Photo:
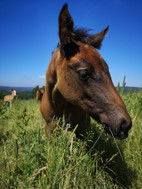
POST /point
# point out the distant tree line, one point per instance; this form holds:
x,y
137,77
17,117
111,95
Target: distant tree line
x,y
26,95
32,94
3,93
125,90
35,90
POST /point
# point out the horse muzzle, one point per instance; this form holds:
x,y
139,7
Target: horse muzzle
x,y
119,131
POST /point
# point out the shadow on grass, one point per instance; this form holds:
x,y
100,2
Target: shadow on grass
x,y
113,160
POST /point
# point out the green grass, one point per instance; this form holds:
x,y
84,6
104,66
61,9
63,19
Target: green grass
x,y
28,159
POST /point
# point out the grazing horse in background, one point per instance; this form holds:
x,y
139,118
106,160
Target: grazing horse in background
x,y
39,94
10,98
79,85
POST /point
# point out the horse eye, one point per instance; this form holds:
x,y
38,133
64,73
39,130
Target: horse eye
x,y
84,74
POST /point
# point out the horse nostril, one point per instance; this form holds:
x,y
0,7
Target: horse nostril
x,y
125,126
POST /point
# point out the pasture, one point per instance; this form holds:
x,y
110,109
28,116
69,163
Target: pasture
x,y
28,159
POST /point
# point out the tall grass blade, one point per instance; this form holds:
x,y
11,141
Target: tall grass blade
x,y
116,144
56,174
16,145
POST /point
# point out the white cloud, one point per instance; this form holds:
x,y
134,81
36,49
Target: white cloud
x,y
42,76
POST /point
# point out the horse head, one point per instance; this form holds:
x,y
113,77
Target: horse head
x,y
83,77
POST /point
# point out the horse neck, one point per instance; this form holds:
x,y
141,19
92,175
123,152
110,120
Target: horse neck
x,y
13,94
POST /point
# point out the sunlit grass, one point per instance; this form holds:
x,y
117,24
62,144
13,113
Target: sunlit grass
x,y
28,159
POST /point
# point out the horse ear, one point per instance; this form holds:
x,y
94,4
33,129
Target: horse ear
x,y
96,39
65,26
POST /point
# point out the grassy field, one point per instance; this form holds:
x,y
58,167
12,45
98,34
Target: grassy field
x,y
28,159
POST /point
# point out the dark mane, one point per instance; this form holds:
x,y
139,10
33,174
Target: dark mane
x,y
95,40
81,34
78,34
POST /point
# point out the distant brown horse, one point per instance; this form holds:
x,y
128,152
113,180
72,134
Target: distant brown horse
x,y
79,85
10,98
39,94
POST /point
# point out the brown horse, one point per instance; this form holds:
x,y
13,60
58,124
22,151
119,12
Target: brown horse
x,y
10,98
39,94
79,85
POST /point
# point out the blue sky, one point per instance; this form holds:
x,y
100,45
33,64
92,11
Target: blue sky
x,y
29,34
